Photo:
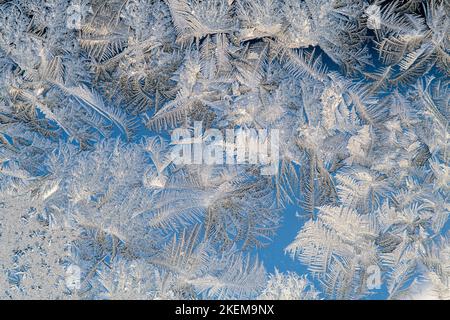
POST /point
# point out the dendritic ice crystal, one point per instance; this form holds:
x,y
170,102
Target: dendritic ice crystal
x,y
95,205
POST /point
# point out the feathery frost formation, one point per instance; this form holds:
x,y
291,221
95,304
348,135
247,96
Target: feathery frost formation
x,y
93,207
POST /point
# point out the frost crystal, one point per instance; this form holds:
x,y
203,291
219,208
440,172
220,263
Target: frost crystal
x,y
95,205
